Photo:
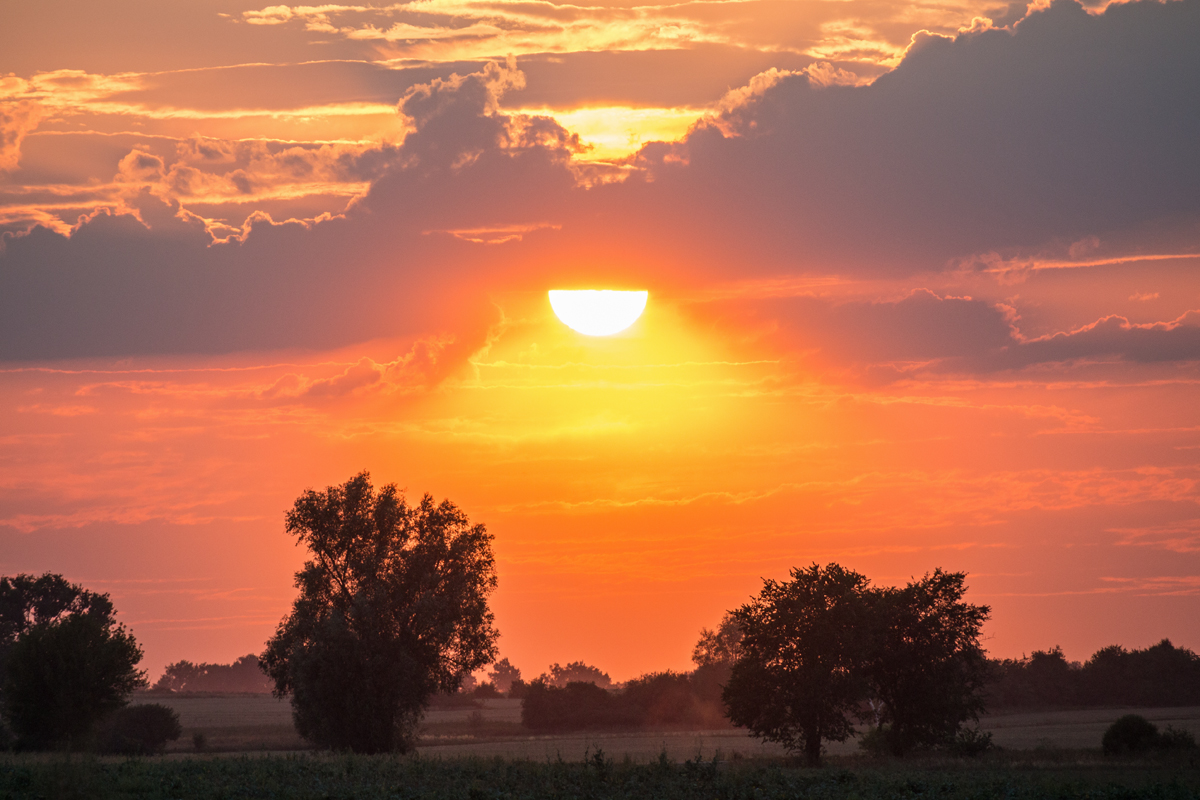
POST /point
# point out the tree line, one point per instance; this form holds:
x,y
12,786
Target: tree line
x,y
243,675
392,611
1160,675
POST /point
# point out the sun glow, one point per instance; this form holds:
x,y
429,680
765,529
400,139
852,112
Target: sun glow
x,y
598,312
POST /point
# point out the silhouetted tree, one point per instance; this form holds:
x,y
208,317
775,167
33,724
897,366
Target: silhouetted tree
x,y
392,608
927,667
66,661
1159,675
28,600
799,676
664,698
575,706
575,672
243,675
714,655
503,674
721,646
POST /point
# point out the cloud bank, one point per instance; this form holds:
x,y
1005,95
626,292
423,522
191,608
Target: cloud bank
x,y
996,144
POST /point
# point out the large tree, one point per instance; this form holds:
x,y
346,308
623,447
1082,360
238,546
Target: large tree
x,y
65,663
392,608
798,677
927,668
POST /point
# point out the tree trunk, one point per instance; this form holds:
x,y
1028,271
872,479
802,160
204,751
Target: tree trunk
x,y
812,747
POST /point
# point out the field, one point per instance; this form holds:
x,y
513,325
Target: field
x,y
305,776
241,723
480,753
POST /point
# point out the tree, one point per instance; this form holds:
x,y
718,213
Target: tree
x,y
927,667
714,655
26,601
243,675
392,609
721,646
66,661
503,675
799,675
575,672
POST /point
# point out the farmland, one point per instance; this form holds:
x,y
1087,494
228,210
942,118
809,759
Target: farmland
x,y
256,723
1066,775
475,753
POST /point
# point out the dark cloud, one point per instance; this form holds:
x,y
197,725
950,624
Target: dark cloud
x,y
1071,125
950,334
1068,127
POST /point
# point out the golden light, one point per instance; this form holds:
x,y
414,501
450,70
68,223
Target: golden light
x,y
597,312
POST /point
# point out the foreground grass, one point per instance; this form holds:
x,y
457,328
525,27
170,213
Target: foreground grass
x,y
1056,775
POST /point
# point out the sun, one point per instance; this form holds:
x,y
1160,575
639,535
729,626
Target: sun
x,y
597,312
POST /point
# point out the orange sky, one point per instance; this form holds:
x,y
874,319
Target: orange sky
x,y
923,293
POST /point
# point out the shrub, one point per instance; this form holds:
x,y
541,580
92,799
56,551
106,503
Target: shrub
x,y
970,743
485,691
576,706
662,698
139,730
875,741
1176,739
1130,735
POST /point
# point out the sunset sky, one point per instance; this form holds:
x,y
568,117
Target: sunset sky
x,y
924,291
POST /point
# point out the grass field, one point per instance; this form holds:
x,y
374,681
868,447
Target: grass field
x,y
232,723
303,776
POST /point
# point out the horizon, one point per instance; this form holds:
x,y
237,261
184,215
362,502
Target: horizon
x,y
922,293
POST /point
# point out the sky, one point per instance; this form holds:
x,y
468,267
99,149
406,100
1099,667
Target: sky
x,y
924,291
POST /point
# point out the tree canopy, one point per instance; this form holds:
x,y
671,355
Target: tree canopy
x,y
826,647
392,608
926,667
66,663
799,677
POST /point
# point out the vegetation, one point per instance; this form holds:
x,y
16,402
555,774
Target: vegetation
x,y
598,777
392,609
1135,735
800,676
825,647
503,675
138,730
1161,675
575,672
926,668
65,661
243,675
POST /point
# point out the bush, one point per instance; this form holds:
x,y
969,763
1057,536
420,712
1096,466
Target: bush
x,y
138,730
485,691
1174,739
576,706
875,741
1130,735
970,743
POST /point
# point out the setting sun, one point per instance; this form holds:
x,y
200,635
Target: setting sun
x,y
598,312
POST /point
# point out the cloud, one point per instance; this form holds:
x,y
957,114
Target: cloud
x,y
925,331
1115,337
16,121
1014,141
1031,140
359,376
